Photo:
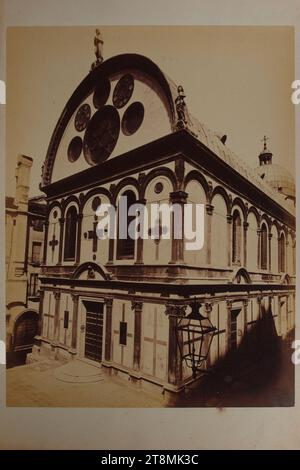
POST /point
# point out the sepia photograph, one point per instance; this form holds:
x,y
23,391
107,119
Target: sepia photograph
x,y
150,217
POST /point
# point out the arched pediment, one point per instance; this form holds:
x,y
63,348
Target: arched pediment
x,y
240,276
90,271
285,279
97,100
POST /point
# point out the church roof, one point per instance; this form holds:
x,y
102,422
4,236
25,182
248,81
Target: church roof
x,y
211,140
278,177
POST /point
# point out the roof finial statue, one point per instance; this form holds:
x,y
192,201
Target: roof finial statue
x,y
181,108
98,43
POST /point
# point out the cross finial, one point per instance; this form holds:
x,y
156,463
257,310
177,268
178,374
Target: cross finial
x,y
264,140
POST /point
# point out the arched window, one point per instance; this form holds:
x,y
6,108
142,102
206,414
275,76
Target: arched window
x,y
281,253
126,245
236,237
264,247
70,234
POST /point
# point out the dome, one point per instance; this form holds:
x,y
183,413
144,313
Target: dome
x,y
278,177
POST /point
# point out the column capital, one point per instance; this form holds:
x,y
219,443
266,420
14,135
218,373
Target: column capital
x,y
270,235
142,201
75,297
56,295
179,197
229,218
209,209
108,301
136,305
175,310
245,225
208,307
258,231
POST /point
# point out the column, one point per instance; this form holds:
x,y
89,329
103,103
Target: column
x,y
78,242
270,251
270,311
229,307
209,212
279,316
61,238
287,314
259,300
245,315
108,329
75,298
46,225
174,312
140,241
294,254
229,238
56,316
137,307
111,241
208,310
286,255
179,198
258,248
37,338
293,309
245,226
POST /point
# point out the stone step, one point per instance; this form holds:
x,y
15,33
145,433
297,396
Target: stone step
x,y
79,372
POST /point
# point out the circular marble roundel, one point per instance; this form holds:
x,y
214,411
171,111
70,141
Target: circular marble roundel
x,y
123,91
133,118
74,149
82,117
101,135
96,203
101,93
158,187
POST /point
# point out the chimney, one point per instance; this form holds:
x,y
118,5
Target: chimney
x,y
22,175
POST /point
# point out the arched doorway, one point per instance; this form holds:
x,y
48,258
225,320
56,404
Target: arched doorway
x,y
25,329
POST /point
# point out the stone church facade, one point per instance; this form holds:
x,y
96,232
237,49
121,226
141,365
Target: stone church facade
x,y
126,130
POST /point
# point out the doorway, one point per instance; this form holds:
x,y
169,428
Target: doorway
x,y
93,330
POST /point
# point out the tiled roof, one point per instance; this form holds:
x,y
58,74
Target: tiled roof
x,y
211,140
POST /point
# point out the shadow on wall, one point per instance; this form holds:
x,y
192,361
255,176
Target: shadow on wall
x,y
259,372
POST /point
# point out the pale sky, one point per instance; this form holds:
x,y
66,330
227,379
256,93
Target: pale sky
x,y
237,80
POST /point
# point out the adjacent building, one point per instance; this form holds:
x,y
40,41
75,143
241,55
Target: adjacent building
x,y
24,218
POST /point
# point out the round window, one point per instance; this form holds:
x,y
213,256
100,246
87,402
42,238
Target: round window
x,y
101,135
101,93
74,149
133,118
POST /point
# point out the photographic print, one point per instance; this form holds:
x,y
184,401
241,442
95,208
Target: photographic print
x,y
150,216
